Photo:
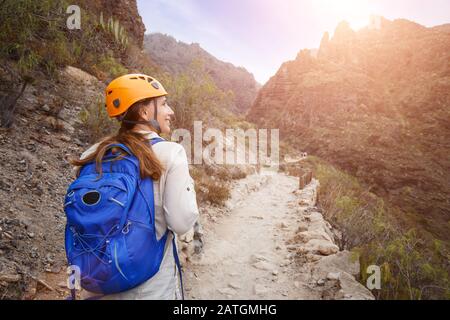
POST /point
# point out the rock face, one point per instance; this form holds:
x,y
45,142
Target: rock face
x,y
376,104
175,56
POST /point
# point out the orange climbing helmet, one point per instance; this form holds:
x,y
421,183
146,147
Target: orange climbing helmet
x,y
124,91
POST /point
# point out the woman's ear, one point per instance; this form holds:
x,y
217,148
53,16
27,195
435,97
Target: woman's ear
x,y
143,113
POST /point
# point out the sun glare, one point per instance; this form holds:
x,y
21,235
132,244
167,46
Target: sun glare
x,y
355,12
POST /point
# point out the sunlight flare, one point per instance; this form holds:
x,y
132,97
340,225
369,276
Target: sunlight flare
x,y
355,12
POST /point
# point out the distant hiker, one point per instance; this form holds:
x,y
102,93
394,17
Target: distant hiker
x,y
132,194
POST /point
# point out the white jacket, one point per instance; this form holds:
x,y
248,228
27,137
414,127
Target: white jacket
x,y
175,209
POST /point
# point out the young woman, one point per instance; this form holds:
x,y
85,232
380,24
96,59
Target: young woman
x,y
139,102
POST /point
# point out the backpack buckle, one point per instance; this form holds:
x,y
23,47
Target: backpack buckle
x,y
126,229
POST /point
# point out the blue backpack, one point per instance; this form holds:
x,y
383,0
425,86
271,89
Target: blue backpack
x,y
110,232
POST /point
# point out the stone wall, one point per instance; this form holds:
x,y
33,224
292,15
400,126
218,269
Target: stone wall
x,y
333,272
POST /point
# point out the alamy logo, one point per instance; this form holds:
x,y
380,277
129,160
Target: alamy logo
x,y
374,280
73,22
232,147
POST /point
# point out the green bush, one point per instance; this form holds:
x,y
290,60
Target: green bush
x,y
111,67
26,25
410,267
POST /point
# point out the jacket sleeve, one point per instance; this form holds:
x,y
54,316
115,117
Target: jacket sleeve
x,y
180,203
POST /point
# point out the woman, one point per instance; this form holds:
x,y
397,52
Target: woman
x,y
139,102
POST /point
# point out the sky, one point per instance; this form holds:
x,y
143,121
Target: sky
x,y
260,35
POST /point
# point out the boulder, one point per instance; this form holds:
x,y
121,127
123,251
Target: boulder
x,y
352,289
321,246
341,261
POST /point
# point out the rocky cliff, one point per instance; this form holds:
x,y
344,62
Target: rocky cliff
x,y
376,103
124,10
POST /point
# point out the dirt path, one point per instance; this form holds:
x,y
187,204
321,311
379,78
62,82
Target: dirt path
x,y
245,255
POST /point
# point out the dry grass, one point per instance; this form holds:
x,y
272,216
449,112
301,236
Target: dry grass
x,y
212,183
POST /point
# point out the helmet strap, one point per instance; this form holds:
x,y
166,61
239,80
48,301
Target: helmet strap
x,y
153,122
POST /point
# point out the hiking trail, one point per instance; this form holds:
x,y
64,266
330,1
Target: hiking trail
x,y
245,256
249,254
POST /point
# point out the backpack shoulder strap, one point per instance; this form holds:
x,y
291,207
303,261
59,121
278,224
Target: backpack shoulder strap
x,y
156,140
127,150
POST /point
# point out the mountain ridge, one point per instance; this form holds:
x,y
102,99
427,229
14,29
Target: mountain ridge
x,y
373,102
176,56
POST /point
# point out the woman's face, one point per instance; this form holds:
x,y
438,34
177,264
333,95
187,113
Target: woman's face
x,y
165,113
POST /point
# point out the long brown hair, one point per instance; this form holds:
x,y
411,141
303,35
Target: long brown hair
x,y
149,165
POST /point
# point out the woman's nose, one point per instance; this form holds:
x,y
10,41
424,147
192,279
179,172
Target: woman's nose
x,y
171,112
